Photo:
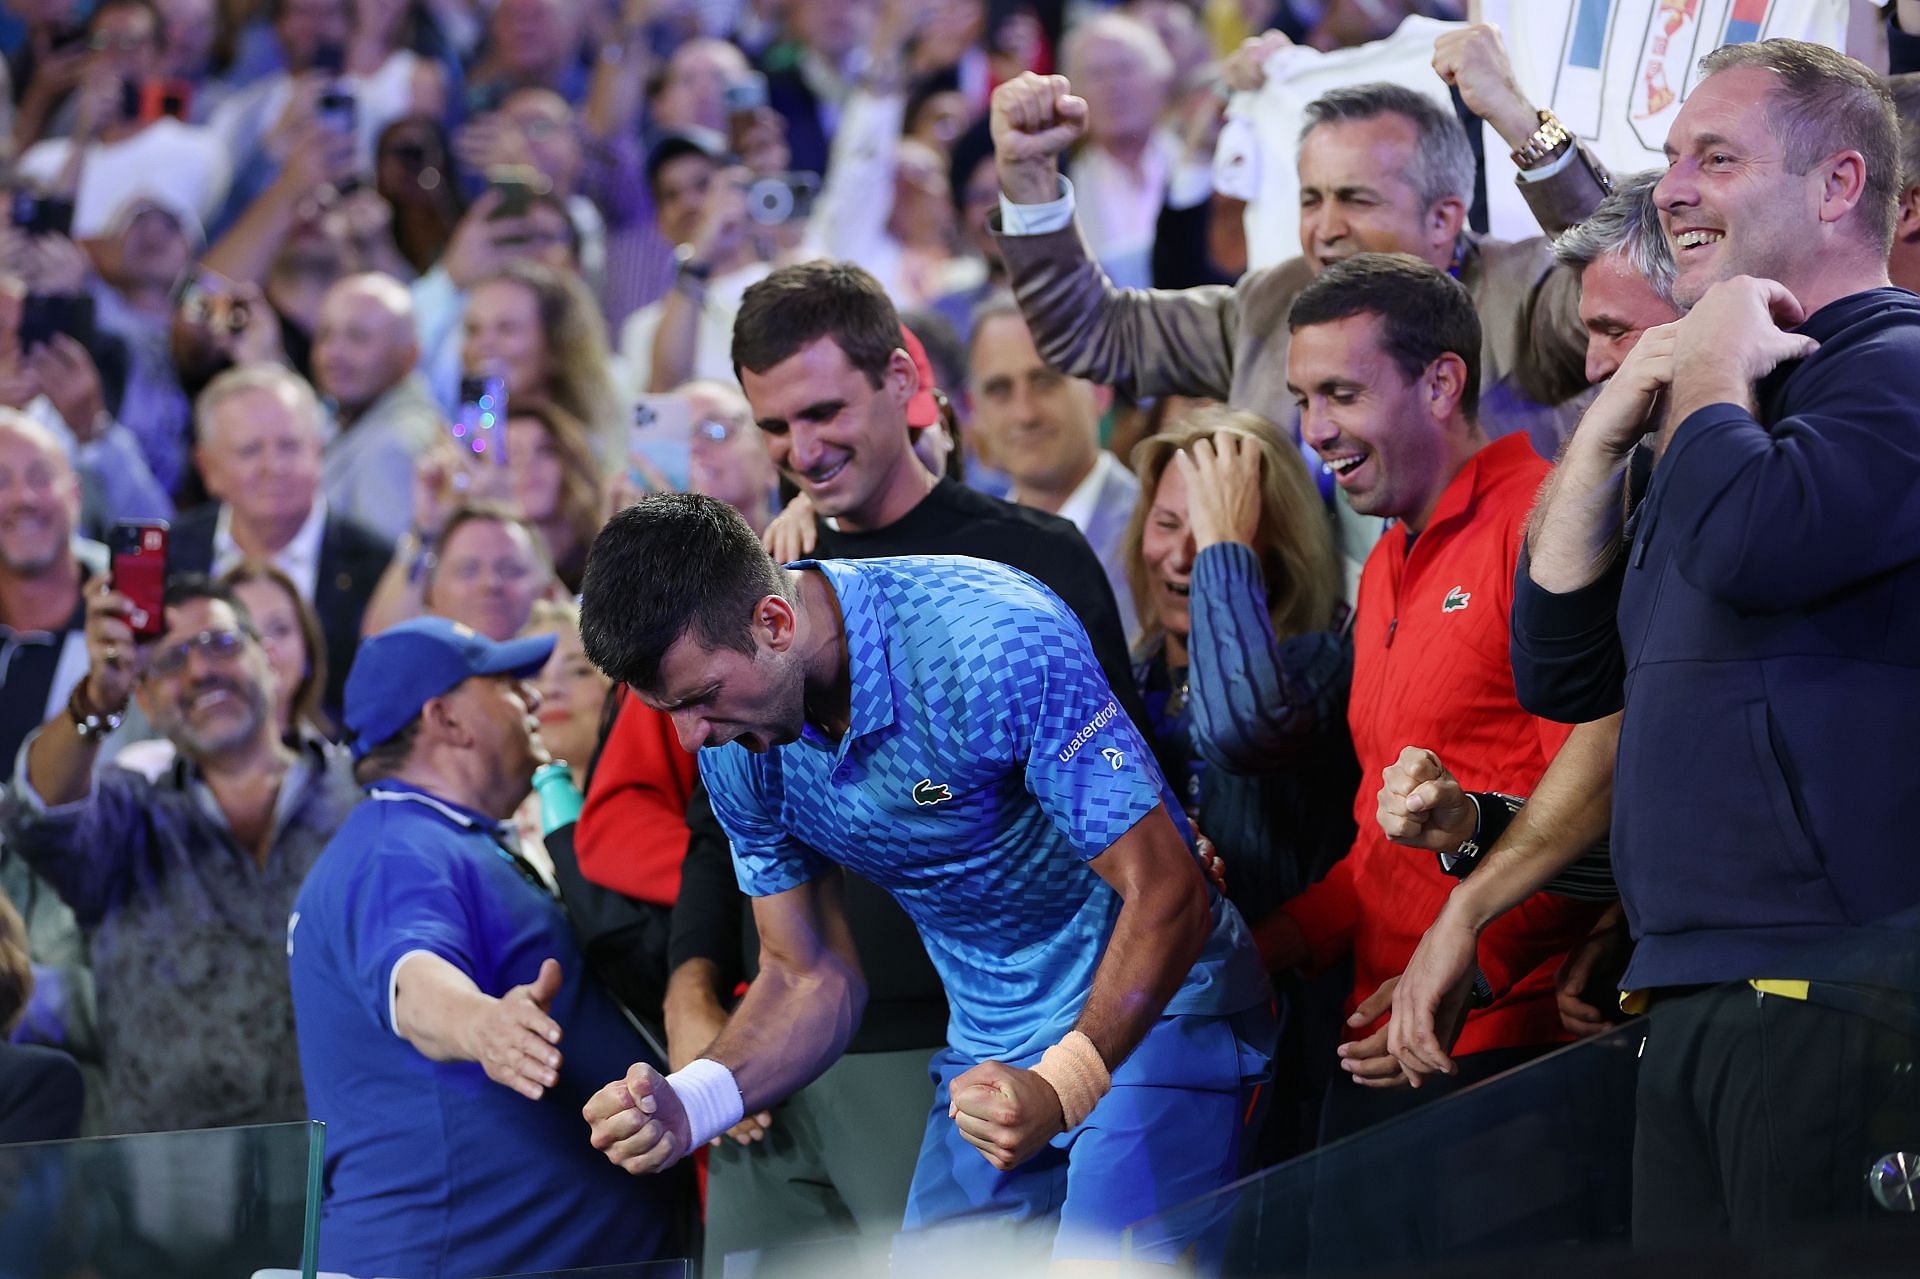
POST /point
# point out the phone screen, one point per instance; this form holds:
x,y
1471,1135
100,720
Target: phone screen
x,y
139,550
480,426
660,440
42,315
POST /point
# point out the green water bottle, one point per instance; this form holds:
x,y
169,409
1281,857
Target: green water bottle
x,y
559,797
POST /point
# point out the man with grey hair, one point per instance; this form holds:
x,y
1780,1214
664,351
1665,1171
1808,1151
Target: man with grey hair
x,y
1383,168
182,883
1766,604
1625,269
1122,168
259,451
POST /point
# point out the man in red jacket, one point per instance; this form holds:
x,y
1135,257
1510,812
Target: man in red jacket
x,y
1385,367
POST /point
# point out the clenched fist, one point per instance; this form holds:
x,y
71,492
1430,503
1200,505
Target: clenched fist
x,y
1033,119
1422,806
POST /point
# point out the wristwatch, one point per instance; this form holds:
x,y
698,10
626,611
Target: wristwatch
x,y
1546,140
90,725
689,267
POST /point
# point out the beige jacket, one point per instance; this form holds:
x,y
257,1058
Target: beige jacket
x,y
1230,342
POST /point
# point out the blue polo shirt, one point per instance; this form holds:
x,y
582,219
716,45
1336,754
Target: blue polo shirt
x,y
431,1168
986,763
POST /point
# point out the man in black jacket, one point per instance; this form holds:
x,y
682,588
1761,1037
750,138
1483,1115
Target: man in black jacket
x,y
259,451
838,1155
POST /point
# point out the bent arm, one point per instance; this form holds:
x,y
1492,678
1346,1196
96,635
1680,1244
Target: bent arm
x,y
804,1005
1146,342
1162,927
1256,702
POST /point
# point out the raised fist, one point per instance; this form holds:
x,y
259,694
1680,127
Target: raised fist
x,y
1033,119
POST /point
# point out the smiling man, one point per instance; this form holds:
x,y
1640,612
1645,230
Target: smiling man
x,y
1765,594
1385,368
941,726
182,884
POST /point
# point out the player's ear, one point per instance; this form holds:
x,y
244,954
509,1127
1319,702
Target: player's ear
x,y
774,622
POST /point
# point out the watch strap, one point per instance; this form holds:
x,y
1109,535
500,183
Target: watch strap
x,y
1543,143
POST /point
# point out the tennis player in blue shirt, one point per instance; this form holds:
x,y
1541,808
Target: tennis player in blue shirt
x,y
941,726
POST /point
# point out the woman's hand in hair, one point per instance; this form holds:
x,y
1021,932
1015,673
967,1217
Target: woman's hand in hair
x,y
1223,489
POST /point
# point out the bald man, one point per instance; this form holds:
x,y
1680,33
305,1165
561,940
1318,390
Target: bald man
x,y
364,352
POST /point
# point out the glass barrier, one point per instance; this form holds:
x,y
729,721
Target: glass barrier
x,y
677,1269
1538,1157
218,1203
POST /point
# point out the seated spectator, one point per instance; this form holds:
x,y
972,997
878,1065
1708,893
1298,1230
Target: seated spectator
x,y
1120,173
117,153
260,454
555,483
364,353
973,184
435,976
41,1092
140,259
1246,670
729,461
183,884
478,563
539,327
1043,429
701,207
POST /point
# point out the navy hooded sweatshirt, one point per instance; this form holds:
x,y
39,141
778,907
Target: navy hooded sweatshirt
x,y
1765,794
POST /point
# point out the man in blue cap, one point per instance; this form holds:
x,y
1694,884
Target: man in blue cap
x,y
433,974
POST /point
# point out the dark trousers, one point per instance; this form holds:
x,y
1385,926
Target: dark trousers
x,y
1759,1116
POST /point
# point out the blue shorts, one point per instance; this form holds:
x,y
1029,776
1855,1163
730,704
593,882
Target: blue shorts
x,y
1172,1129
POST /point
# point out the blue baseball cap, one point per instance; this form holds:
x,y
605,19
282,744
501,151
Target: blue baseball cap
x,y
404,667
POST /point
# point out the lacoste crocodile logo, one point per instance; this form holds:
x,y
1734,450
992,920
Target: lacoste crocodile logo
x,y
927,792
1457,598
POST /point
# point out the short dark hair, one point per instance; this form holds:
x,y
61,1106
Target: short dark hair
x,y
800,304
185,588
1424,312
671,565
389,757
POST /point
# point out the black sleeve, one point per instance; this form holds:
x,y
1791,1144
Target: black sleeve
x,y
1568,663
707,914
1180,258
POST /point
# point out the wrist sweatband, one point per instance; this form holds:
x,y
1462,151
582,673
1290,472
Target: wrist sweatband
x,y
1074,1068
711,1097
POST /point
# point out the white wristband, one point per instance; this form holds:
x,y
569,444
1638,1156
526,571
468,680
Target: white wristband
x,y
711,1098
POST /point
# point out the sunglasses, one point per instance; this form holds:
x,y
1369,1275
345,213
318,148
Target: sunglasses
x,y
216,646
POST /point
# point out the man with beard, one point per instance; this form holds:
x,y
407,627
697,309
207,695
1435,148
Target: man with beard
x,y
182,884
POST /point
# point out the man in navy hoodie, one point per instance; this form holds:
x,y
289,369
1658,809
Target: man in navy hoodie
x,y
1766,649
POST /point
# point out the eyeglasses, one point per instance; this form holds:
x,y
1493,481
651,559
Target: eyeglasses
x,y
215,646
104,43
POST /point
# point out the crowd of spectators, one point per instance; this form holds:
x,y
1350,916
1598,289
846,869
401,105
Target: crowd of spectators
x,y
386,307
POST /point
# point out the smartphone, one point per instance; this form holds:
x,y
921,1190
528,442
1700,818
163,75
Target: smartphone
x,y
338,110
330,57
517,184
151,100
745,95
44,314
139,559
38,214
480,425
661,437
207,300
782,197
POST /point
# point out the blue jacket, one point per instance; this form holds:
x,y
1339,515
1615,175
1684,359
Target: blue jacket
x,y
1770,621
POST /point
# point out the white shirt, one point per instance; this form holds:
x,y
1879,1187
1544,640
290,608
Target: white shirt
x,y
1079,504
1122,206
299,559
181,165
713,339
